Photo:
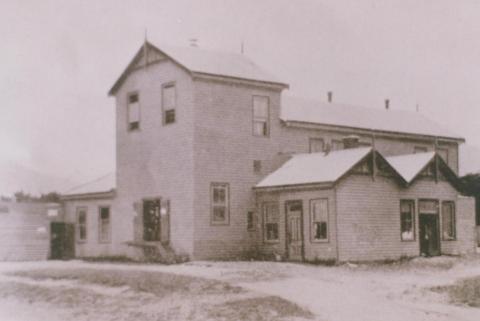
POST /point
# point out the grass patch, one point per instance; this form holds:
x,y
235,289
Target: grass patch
x,y
261,309
463,292
157,283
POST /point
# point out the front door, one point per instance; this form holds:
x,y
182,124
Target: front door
x,y
429,235
151,220
294,215
62,241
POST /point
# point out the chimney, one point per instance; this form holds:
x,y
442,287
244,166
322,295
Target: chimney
x,y
193,42
351,141
330,96
387,104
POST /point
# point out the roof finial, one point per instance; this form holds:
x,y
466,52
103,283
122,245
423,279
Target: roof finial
x,y
145,51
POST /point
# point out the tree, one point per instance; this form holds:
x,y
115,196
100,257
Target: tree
x,y
471,185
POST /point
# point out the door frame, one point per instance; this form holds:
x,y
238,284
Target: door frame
x,y
436,215
287,203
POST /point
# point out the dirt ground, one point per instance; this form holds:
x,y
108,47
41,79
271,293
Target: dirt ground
x,y
414,290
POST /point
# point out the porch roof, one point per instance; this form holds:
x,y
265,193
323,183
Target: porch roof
x,y
102,185
314,168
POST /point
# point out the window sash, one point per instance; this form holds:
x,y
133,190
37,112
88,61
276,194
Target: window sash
x,y
316,145
407,220
260,115
219,200
133,109
169,97
448,221
319,219
104,224
81,224
271,218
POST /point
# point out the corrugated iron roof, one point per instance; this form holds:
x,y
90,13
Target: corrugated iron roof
x,y
102,184
315,168
409,166
398,121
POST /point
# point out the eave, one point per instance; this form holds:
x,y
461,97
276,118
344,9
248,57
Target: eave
x,y
87,196
369,131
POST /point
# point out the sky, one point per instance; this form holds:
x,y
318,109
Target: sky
x,y
60,58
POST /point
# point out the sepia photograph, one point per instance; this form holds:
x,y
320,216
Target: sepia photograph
x,y
222,160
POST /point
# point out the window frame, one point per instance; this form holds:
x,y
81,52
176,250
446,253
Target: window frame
x,y
164,110
444,149
78,225
226,221
100,224
414,217
312,139
417,149
264,222
129,94
454,221
255,119
251,227
337,141
312,235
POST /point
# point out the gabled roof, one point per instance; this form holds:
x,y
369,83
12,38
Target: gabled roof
x,y
200,61
354,117
104,184
409,166
315,168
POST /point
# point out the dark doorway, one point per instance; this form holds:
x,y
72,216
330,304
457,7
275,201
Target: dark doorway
x,y
62,241
151,220
294,230
429,235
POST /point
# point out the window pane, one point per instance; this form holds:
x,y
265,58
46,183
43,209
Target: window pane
x,y
271,230
320,230
448,220
133,112
170,116
407,220
316,145
219,195
427,207
169,99
319,217
260,107
250,220
82,217
219,213
271,213
104,213
337,145
260,128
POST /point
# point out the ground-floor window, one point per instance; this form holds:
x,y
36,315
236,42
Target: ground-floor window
x,y
104,224
271,220
151,220
448,220
250,220
319,219
81,224
219,200
407,220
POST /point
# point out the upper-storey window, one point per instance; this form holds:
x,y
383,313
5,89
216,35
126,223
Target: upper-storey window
x,y
443,152
420,149
169,103
133,112
317,145
260,116
337,144
219,199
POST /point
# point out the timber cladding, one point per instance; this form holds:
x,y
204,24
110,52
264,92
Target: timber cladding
x,y
24,231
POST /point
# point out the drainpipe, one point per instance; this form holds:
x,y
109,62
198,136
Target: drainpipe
x,y
337,251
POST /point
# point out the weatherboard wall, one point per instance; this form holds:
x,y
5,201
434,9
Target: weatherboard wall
x,y
313,250
224,152
155,161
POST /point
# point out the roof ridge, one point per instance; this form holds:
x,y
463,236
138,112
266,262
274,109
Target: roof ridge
x,y
89,182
